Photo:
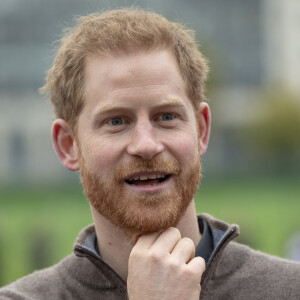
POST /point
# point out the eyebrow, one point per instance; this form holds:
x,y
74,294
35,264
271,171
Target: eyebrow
x,y
110,107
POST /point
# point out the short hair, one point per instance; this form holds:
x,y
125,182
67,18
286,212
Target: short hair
x,y
115,32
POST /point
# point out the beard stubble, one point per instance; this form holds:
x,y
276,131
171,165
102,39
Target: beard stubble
x,y
138,214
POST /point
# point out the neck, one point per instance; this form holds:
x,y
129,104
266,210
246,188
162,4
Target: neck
x,y
115,249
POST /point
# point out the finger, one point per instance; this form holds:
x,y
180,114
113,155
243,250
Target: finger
x,y
197,265
147,240
184,250
167,240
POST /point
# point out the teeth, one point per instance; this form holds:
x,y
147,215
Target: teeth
x,y
146,177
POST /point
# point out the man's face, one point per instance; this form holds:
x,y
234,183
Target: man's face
x,y
138,141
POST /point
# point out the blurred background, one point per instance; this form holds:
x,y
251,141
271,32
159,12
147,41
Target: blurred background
x,y
251,170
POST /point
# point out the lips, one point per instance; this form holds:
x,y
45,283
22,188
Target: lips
x,y
147,179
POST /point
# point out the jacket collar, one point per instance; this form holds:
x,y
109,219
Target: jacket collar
x,y
222,233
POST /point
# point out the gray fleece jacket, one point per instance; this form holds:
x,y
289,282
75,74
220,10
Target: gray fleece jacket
x,y
234,271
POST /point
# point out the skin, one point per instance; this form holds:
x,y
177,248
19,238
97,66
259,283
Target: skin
x,y
136,107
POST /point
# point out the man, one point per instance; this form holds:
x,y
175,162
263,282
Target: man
x,y
127,88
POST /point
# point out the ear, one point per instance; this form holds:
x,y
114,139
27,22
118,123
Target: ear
x,y
65,145
204,119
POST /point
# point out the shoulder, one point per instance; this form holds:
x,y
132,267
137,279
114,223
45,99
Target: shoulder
x,y
245,258
65,280
75,277
45,283
258,274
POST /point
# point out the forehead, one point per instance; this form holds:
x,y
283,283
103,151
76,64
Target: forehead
x,y
137,68
133,79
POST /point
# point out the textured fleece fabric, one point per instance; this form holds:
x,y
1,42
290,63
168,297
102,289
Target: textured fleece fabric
x,y
234,271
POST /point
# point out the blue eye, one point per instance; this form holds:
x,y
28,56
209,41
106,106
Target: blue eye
x,y
167,117
116,121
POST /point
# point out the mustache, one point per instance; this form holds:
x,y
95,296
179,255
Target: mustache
x,y
156,164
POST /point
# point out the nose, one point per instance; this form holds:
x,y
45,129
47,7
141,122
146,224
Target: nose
x,y
144,141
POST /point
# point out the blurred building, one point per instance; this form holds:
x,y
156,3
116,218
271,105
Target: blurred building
x,y
250,44
281,31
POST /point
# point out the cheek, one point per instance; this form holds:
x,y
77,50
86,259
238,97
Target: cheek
x,y
186,149
101,157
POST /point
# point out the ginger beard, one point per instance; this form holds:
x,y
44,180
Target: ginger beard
x,y
134,213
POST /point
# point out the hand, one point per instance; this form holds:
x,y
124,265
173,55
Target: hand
x,y
163,266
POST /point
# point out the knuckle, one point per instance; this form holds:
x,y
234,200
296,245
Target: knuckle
x,y
188,242
200,264
201,261
174,265
175,231
191,273
135,254
155,256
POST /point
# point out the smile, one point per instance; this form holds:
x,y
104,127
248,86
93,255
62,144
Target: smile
x,y
147,179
